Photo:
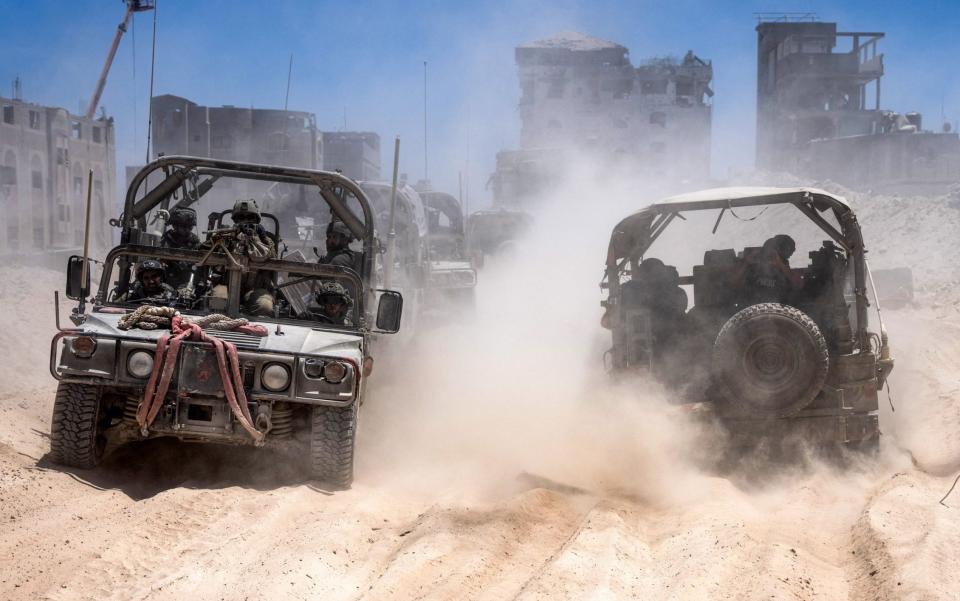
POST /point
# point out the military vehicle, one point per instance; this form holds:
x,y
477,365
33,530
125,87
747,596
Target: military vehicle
x,y
452,280
428,265
495,232
776,351
292,379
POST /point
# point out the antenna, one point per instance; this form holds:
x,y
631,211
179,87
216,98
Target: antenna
x,y
153,64
17,90
289,73
426,175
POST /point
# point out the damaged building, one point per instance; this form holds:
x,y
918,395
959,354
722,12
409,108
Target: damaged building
x,y
819,115
269,136
46,154
582,97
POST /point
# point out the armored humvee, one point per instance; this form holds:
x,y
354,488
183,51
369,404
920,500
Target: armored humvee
x,y
293,378
777,351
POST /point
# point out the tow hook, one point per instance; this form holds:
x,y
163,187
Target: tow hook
x,y
262,420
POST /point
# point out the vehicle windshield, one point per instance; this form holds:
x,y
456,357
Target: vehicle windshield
x,y
188,282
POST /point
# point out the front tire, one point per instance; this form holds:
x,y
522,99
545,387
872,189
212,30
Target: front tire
x,y
332,436
75,438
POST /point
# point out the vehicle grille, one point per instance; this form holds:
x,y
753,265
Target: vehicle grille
x,y
247,342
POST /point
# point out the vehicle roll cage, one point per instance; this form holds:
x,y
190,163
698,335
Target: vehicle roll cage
x,y
633,236
203,172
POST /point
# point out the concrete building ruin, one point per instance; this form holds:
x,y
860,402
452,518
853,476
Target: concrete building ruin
x,y
581,96
356,154
819,112
269,136
45,156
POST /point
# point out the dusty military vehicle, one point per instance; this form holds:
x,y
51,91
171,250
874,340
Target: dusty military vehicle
x,y
292,379
777,351
495,231
428,265
452,279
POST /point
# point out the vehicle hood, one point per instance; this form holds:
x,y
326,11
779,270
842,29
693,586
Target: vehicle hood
x,y
304,340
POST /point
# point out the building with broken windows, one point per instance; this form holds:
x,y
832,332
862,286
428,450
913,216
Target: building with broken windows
x,y
819,112
45,156
582,96
269,136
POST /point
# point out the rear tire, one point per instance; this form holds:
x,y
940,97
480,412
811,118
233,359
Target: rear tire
x,y
769,360
75,438
332,436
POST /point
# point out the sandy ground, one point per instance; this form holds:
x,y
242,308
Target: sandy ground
x,y
444,506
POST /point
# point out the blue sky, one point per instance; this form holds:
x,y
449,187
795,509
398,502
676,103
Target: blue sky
x,y
364,61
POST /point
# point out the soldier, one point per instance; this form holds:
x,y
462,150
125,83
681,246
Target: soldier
x,y
251,239
333,304
766,276
150,285
180,235
338,246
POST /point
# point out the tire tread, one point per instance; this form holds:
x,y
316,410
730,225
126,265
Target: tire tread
x,y
332,439
73,429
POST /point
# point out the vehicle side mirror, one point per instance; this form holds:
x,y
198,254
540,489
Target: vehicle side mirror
x,y
75,288
389,309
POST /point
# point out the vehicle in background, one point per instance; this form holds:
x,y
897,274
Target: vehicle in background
x,y
452,280
495,232
778,352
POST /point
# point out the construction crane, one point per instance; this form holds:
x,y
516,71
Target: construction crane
x,y
133,6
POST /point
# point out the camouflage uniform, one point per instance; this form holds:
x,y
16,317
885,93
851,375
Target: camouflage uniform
x,y
250,240
178,272
165,295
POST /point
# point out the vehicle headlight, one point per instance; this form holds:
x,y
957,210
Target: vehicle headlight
x,y
140,364
334,372
83,346
313,368
275,377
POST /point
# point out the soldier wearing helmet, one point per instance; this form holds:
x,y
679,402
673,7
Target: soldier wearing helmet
x,y
250,239
332,304
180,235
338,246
150,285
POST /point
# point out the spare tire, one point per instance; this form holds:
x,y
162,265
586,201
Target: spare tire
x,y
769,360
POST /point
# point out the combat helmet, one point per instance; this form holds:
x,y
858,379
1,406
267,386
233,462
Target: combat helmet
x,y
246,209
338,227
150,265
182,216
334,289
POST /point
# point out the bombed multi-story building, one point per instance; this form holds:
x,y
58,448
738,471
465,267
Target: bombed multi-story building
x,y
356,154
274,137
46,155
819,112
582,98
266,136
